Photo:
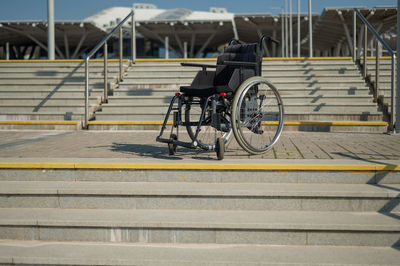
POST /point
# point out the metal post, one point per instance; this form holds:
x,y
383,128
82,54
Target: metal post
x,y
282,36
365,67
393,99
166,47
298,28
286,31
184,49
397,122
291,28
354,36
133,37
120,54
50,30
310,29
105,72
7,51
86,93
377,68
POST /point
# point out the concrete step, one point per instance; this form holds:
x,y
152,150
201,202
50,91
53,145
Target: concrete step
x,y
277,62
41,116
290,126
267,69
65,64
305,171
175,84
287,99
200,196
169,91
57,108
27,100
168,79
49,81
96,87
74,94
55,75
289,116
193,226
41,125
268,74
289,107
87,253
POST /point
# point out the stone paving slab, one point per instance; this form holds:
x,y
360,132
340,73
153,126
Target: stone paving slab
x,y
142,144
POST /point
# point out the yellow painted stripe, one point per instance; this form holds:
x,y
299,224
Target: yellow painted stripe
x,y
59,61
373,57
304,58
39,122
289,123
200,166
264,58
174,59
127,123
339,123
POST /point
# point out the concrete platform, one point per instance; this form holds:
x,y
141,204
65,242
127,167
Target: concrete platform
x,y
356,147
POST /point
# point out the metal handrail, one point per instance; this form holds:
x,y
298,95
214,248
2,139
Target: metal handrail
x,y
97,47
379,41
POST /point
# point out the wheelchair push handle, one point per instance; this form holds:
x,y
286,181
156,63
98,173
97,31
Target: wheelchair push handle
x,y
269,38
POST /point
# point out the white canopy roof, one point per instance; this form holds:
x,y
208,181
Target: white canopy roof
x,y
111,16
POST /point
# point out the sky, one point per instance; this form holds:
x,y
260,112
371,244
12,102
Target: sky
x,y
80,9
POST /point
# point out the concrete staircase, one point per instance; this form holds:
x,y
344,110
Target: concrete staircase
x,y
38,92
312,90
199,217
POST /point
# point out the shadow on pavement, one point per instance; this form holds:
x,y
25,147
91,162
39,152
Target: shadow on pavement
x,y
152,151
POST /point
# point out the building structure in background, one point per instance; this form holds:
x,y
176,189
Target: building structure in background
x,y
189,33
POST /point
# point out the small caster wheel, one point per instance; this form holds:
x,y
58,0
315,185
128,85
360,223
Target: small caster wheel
x,y
171,146
220,148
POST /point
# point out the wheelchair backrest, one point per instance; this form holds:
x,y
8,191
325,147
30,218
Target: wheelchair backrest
x,y
236,51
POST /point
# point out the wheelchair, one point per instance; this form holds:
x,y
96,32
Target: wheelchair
x,y
232,100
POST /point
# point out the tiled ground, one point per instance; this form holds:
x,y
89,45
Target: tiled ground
x,y
133,144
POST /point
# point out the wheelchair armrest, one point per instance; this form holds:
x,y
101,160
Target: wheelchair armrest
x,y
239,63
199,65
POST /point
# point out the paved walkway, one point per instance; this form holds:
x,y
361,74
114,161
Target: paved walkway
x,y
142,144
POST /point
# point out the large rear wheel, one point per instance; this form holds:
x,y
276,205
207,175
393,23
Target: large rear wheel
x,y
257,115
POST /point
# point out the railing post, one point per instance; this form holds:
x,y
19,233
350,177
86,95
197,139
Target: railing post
x,y
365,68
105,72
120,54
377,70
393,95
133,37
310,29
354,36
85,125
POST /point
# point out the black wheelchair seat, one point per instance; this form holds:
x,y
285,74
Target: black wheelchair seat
x,y
238,62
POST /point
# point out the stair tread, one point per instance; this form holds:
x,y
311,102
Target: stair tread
x,y
197,189
202,219
89,253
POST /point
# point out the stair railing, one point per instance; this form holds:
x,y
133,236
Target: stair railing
x,y
379,42
104,43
